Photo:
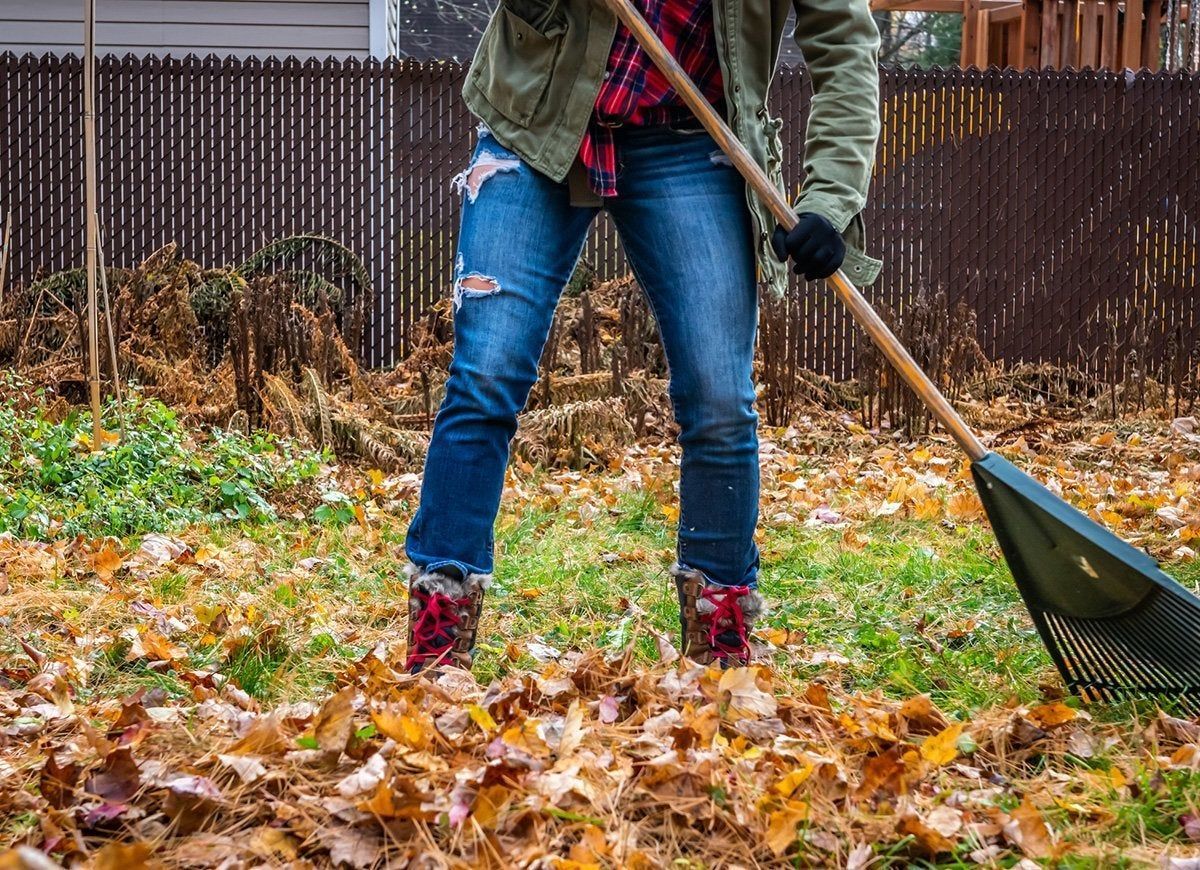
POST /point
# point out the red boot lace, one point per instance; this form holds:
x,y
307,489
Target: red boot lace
x,y
725,619
435,630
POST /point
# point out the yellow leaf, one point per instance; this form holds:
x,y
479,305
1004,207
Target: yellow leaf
x,y
927,509
942,748
1117,778
488,804
781,826
788,785
401,728
1051,715
481,717
671,512
880,728
375,476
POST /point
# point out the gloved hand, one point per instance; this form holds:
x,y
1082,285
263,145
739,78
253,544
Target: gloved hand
x,y
814,246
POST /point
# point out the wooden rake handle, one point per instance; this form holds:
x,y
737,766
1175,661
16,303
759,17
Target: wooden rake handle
x,y
866,316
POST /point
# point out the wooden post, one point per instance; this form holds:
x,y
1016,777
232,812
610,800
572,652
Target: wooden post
x,y
1089,45
1030,46
1110,30
1070,43
1051,35
1131,54
89,174
1151,37
971,37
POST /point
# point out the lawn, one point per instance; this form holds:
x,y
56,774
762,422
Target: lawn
x,y
203,631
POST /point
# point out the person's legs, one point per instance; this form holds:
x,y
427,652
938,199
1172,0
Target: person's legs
x,y
519,242
685,226
683,219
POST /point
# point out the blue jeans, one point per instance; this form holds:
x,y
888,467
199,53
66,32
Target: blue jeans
x,y
685,227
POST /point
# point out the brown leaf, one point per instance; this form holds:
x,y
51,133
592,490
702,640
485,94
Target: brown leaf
x,y
334,724
118,779
57,781
248,768
105,562
358,848
191,801
1027,830
265,737
928,841
124,856
1173,730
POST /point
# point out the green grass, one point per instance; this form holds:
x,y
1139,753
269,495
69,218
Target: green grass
x,y
918,609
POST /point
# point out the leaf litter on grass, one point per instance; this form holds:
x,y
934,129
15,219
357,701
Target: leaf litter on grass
x,y
157,701
728,768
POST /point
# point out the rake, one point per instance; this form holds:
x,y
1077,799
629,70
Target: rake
x,y
1115,625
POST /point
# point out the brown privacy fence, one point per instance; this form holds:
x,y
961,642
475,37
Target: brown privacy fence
x,y
1063,207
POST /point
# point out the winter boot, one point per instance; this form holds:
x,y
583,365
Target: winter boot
x,y
443,616
716,620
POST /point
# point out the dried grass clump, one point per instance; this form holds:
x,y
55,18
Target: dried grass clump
x,y
576,434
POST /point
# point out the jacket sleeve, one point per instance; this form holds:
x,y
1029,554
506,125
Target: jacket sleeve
x,y
840,43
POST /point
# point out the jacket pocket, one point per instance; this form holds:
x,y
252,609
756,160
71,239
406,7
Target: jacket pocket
x,y
516,62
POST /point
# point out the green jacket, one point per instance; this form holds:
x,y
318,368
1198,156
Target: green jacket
x,y
538,69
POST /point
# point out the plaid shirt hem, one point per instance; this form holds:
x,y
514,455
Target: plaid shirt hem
x,y
635,94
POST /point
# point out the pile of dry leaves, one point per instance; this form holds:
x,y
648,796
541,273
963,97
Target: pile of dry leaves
x,y
586,764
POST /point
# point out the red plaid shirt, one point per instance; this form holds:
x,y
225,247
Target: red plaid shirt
x,y
636,94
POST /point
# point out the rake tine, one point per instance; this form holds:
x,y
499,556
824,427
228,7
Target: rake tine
x,y
1170,639
1104,678
1069,666
1134,671
1083,666
1131,670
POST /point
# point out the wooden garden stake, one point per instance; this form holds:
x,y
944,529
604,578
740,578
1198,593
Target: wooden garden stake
x,y
4,253
112,335
89,172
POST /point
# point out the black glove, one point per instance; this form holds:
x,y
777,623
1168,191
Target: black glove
x,y
813,244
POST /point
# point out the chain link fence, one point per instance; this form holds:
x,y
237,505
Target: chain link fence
x,y
1062,206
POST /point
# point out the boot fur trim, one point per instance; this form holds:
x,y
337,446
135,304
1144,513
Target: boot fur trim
x,y
436,581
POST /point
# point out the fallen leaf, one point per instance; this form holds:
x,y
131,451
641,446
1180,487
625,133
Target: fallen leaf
x,y
942,748
248,768
739,692
781,826
1027,830
334,724
365,779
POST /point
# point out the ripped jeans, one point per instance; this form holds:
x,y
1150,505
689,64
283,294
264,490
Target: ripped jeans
x,y
683,220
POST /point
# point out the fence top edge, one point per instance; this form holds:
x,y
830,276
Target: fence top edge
x,y
108,58
888,72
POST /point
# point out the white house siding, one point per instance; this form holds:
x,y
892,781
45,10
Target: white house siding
x,y
238,28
